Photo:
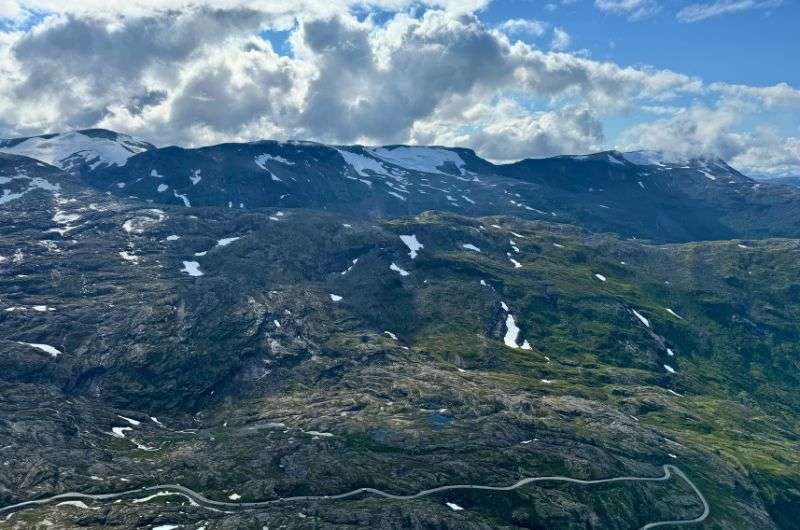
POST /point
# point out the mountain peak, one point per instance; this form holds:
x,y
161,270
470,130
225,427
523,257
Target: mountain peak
x,y
648,157
68,150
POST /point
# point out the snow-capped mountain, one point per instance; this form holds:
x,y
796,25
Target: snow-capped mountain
x,y
642,194
93,148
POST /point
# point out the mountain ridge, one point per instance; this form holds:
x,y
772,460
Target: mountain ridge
x,y
637,157
663,202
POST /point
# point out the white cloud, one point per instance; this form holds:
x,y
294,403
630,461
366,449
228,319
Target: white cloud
x,y
561,40
779,95
199,75
694,131
701,130
634,9
505,131
517,26
282,12
697,12
767,153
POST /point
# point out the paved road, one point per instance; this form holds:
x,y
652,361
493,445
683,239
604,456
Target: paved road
x,y
200,500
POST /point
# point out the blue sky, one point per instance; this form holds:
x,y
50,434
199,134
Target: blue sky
x,y
755,47
509,78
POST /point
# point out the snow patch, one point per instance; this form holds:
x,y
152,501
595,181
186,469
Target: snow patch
x,y
227,241
53,352
127,256
397,269
139,224
74,504
261,160
64,218
412,244
154,496
133,422
183,198
192,268
361,164
33,184
673,313
424,159
63,150
644,321
348,269
119,432
512,332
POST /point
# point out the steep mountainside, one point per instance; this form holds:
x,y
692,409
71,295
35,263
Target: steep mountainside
x,y
321,346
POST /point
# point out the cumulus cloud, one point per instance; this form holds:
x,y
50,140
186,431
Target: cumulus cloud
x,y
769,154
504,130
697,12
282,11
72,71
703,131
167,76
517,26
199,74
694,131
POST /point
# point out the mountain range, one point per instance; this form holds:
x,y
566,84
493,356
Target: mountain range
x,y
262,320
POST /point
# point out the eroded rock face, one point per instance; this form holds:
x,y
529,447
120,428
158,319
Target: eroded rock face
x,y
300,362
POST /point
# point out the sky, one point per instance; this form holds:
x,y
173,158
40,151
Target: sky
x,y
511,79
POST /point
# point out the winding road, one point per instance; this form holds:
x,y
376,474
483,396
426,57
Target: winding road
x,y
200,500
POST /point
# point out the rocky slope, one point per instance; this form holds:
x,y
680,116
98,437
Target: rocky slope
x,y
259,352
